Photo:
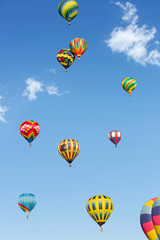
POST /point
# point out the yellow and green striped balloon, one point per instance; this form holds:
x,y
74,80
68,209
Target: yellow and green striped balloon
x,y
129,84
100,208
68,9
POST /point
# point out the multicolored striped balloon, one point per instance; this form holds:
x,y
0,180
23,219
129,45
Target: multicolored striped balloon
x,y
78,46
69,150
100,208
129,84
115,136
68,10
150,219
27,201
29,130
65,57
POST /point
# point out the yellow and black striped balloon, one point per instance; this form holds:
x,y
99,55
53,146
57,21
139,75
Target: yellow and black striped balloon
x,y
69,149
100,208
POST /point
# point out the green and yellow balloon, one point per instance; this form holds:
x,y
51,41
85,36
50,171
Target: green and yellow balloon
x,y
129,84
100,208
68,10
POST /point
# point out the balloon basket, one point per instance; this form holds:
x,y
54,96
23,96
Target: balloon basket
x,y
69,23
70,165
78,58
101,229
27,217
66,70
30,145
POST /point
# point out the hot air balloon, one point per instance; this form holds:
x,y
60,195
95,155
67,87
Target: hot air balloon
x,y
65,57
150,219
29,130
27,201
69,150
100,208
129,84
68,10
78,46
115,136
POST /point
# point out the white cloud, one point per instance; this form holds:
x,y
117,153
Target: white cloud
x,y
157,42
154,57
52,70
33,87
52,90
3,110
133,40
129,11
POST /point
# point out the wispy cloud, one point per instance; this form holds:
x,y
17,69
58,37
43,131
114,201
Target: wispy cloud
x,y
3,110
134,40
52,90
34,87
129,11
51,70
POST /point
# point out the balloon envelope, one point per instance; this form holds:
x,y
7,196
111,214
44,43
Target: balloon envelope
x,y
29,130
69,149
100,208
68,9
129,84
65,57
78,46
115,136
27,201
150,219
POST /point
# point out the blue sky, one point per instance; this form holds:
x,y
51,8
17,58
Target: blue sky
x,y
85,104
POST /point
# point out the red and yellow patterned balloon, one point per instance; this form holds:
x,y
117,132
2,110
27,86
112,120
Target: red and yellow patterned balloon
x,y
78,46
29,130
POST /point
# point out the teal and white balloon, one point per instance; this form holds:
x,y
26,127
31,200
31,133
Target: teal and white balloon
x,y
27,201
